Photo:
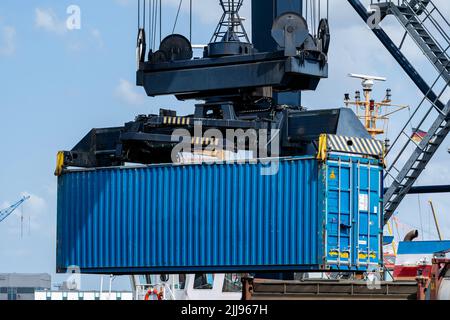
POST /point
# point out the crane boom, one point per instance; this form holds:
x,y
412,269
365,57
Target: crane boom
x,y
7,212
438,229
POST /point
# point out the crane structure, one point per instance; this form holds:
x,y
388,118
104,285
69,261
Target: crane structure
x,y
255,87
241,85
436,222
430,30
258,85
5,213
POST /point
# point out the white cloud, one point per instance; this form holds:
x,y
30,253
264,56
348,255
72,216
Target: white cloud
x,y
47,20
7,41
97,36
126,92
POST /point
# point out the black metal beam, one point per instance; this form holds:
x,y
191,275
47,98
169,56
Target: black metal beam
x,y
429,189
198,78
264,13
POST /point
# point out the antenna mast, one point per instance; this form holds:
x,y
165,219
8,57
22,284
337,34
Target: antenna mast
x,y
372,111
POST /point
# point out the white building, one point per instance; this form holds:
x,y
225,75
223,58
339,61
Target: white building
x,y
22,286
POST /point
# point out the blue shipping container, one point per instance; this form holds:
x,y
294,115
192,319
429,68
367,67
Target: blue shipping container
x,y
222,217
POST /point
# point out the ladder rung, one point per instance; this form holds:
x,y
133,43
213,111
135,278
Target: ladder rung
x,y
420,168
438,110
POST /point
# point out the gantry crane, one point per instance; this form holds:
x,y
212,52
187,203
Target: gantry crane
x,y
5,213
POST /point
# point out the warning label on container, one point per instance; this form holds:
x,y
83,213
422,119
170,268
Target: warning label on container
x,y
363,202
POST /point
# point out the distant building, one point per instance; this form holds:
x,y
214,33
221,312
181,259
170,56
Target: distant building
x,y
21,286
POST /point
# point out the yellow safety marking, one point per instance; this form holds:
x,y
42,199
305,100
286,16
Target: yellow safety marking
x,y
347,146
176,121
360,146
366,147
365,256
345,255
371,147
344,142
59,163
332,175
207,141
322,153
341,143
333,253
374,146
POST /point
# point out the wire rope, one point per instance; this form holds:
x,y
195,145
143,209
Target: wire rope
x,y
176,18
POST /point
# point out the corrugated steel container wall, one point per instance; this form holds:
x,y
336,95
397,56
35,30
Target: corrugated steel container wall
x,y
222,217
191,218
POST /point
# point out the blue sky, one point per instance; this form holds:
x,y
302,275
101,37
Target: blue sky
x,y
55,85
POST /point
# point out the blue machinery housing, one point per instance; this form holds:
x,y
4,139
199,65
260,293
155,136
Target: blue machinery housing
x,y
310,215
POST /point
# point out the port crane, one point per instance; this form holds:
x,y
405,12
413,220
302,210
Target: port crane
x,y
5,213
227,105
267,101
430,31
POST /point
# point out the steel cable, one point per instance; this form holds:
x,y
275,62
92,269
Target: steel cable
x,y
176,18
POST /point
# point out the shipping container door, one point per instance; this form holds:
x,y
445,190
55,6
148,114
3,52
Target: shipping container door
x,y
368,204
338,214
352,213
